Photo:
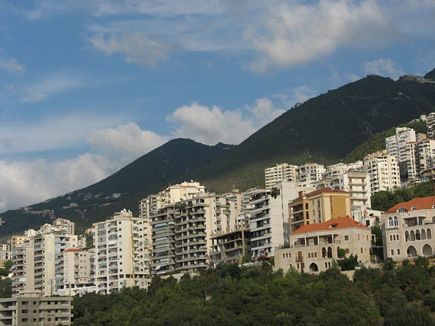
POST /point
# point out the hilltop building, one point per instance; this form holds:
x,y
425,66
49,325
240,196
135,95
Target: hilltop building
x,y
383,171
314,247
278,173
408,229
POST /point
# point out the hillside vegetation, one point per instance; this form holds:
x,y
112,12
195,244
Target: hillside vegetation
x,y
230,295
377,142
383,200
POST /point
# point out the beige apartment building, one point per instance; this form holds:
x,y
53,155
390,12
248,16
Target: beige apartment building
x,y
314,247
278,173
149,206
309,173
30,309
77,272
318,206
38,260
121,257
408,229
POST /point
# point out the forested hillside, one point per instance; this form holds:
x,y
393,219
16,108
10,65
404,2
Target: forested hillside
x,y
256,296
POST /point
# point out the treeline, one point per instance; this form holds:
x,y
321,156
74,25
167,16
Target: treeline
x,y
230,295
383,200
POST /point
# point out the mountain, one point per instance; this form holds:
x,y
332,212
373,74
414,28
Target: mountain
x,y
324,129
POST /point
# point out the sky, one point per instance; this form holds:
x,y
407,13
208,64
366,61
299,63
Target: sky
x,y
88,86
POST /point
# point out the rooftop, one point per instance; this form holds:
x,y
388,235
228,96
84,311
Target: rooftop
x,y
414,204
325,190
336,223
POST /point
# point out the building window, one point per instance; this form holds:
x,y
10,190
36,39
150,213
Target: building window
x,y
398,251
346,238
392,252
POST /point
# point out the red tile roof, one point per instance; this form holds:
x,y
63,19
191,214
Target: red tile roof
x,y
336,223
414,204
72,250
327,189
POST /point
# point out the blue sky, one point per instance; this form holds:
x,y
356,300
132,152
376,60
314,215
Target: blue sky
x,y
88,86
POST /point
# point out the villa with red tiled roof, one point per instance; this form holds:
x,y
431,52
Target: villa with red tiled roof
x,y
314,247
408,229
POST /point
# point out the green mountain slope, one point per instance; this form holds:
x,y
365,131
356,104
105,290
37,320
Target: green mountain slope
x,y
324,129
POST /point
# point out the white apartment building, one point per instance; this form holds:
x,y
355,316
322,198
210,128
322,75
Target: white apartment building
x,y
269,218
309,173
5,252
278,173
48,259
23,269
383,171
402,147
38,258
357,184
341,168
121,256
408,229
425,155
313,248
77,272
430,124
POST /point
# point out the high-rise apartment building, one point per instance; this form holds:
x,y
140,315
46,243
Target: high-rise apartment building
x,y
402,147
278,173
383,171
425,156
121,256
340,168
309,173
269,218
150,205
430,124
38,260
77,269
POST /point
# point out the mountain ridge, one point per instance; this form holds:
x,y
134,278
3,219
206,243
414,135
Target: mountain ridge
x,y
325,129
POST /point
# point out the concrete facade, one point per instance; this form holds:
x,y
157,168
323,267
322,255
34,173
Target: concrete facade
x,y
313,248
408,229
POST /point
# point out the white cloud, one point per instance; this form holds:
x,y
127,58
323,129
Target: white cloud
x,y
264,112
137,48
127,141
213,124
210,124
383,67
28,182
11,65
54,84
294,33
24,182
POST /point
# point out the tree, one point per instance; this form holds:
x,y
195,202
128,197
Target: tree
x,y
348,264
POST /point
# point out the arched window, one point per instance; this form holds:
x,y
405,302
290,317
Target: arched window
x,y
406,236
323,253
428,234
417,235
329,252
423,234
427,250
411,251
412,236
313,268
392,252
390,221
396,221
